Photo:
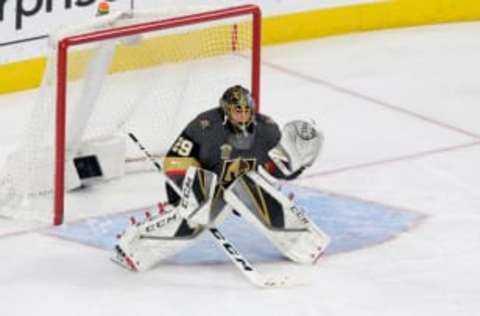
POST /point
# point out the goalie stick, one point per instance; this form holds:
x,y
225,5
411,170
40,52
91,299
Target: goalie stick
x,y
255,277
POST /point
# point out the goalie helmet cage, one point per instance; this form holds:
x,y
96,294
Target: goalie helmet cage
x,y
84,147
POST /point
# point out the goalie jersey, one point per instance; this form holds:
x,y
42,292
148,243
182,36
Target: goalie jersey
x,y
212,143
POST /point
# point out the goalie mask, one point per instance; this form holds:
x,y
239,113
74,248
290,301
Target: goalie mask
x,y
238,107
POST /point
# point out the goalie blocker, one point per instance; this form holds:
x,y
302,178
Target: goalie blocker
x,y
156,238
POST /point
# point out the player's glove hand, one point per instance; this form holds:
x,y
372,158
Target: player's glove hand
x,y
299,147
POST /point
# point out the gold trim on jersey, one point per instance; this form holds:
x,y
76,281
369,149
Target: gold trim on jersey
x,y
233,168
202,180
258,200
179,163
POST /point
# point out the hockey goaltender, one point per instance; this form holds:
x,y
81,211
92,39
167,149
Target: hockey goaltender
x,y
227,161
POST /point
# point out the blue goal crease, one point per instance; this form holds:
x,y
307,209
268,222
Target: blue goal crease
x,y
352,224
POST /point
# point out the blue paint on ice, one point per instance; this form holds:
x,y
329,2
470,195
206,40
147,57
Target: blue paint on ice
x,y
351,223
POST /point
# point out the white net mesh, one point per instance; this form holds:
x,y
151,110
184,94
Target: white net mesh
x,y
151,84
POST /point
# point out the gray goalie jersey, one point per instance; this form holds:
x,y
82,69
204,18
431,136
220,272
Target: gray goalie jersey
x,y
210,142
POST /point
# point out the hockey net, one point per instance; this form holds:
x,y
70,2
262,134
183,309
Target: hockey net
x,y
147,73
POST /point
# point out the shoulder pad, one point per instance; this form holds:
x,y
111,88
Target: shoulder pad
x,y
269,120
204,123
208,118
262,118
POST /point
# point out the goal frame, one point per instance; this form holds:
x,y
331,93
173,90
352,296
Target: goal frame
x,y
71,41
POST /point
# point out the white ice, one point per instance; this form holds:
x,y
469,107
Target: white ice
x,y
400,112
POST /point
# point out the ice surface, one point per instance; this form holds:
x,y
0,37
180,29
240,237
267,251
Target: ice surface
x,y
399,110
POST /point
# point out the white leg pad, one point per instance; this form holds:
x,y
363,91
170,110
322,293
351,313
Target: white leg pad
x,y
279,219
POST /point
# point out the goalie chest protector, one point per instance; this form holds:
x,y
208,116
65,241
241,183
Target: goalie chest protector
x,y
229,154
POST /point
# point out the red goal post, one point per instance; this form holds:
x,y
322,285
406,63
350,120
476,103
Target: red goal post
x,y
65,44
149,73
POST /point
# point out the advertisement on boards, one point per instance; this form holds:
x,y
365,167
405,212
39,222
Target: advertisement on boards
x,y
25,24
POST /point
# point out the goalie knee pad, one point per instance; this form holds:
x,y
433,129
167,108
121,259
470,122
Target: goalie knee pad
x,y
284,223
